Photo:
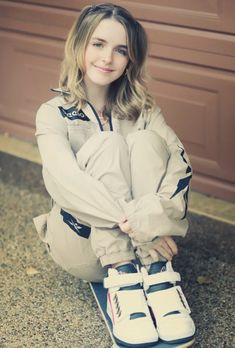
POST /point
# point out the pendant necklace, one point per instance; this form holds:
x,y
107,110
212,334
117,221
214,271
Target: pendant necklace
x,y
102,117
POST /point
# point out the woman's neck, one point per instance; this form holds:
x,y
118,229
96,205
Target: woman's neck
x,y
96,95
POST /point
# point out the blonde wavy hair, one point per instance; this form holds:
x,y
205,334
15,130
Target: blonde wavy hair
x,y
127,96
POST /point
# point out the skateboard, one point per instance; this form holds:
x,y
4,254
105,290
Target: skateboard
x,y
100,294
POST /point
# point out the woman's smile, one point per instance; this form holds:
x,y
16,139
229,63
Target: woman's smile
x,y
105,70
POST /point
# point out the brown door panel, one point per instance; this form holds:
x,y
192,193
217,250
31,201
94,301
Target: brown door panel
x,y
33,64
199,104
212,15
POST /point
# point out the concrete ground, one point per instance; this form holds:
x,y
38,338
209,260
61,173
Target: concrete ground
x,y
42,306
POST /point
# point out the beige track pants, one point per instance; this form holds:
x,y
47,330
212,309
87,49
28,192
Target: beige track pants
x,y
129,168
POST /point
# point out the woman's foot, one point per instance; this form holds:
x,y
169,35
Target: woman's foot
x,y
168,303
127,307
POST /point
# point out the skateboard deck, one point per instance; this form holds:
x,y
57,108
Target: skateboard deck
x,y
100,294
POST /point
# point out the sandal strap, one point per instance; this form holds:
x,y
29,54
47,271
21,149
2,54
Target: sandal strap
x,y
162,277
120,280
166,301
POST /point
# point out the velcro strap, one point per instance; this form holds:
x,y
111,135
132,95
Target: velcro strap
x,y
162,277
130,302
122,280
166,301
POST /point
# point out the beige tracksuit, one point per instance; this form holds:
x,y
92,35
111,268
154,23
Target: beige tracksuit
x,y
97,177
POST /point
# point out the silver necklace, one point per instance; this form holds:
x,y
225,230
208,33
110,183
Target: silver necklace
x,y
103,118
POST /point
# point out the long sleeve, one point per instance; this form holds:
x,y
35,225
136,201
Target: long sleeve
x,y
73,189
163,212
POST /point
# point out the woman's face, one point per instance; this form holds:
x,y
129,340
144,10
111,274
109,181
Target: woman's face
x,y
106,55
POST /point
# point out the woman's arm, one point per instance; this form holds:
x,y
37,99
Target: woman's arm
x,y
74,190
163,213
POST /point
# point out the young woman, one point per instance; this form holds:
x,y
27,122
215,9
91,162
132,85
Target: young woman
x,y
118,177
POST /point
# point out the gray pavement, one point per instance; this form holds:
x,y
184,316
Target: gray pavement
x,y
43,306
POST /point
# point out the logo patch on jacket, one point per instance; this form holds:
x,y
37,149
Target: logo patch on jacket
x,y
82,230
73,114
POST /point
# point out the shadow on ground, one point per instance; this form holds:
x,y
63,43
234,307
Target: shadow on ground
x,y
42,306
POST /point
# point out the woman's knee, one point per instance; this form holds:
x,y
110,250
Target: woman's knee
x,y
115,139
142,138
107,136
101,146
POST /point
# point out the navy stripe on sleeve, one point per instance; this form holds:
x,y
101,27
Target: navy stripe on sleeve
x,y
80,229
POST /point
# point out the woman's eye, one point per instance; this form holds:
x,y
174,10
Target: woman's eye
x,y
97,44
122,51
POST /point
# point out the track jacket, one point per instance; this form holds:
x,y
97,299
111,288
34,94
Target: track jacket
x,y
61,130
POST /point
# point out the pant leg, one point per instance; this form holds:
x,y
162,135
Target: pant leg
x,y
70,250
106,158
148,161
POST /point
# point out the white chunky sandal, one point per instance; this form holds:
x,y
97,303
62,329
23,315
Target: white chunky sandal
x,y
169,306
128,310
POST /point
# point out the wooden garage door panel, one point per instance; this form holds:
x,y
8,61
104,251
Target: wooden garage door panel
x,y
64,4
191,46
203,14
199,105
33,19
215,15
192,5
192,109
34,64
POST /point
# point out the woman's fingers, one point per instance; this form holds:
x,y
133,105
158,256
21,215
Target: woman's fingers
x,y
125,227
154,254
172,244
164,252
165,247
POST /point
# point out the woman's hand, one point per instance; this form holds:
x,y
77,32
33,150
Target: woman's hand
x,y
164,247
126,228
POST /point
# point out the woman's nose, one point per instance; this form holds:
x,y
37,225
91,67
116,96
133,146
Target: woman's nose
x,y
107,56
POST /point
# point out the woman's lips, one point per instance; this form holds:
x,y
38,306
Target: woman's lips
x,y
103,69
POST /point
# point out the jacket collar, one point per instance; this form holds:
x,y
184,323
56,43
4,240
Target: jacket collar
x,y
90,112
